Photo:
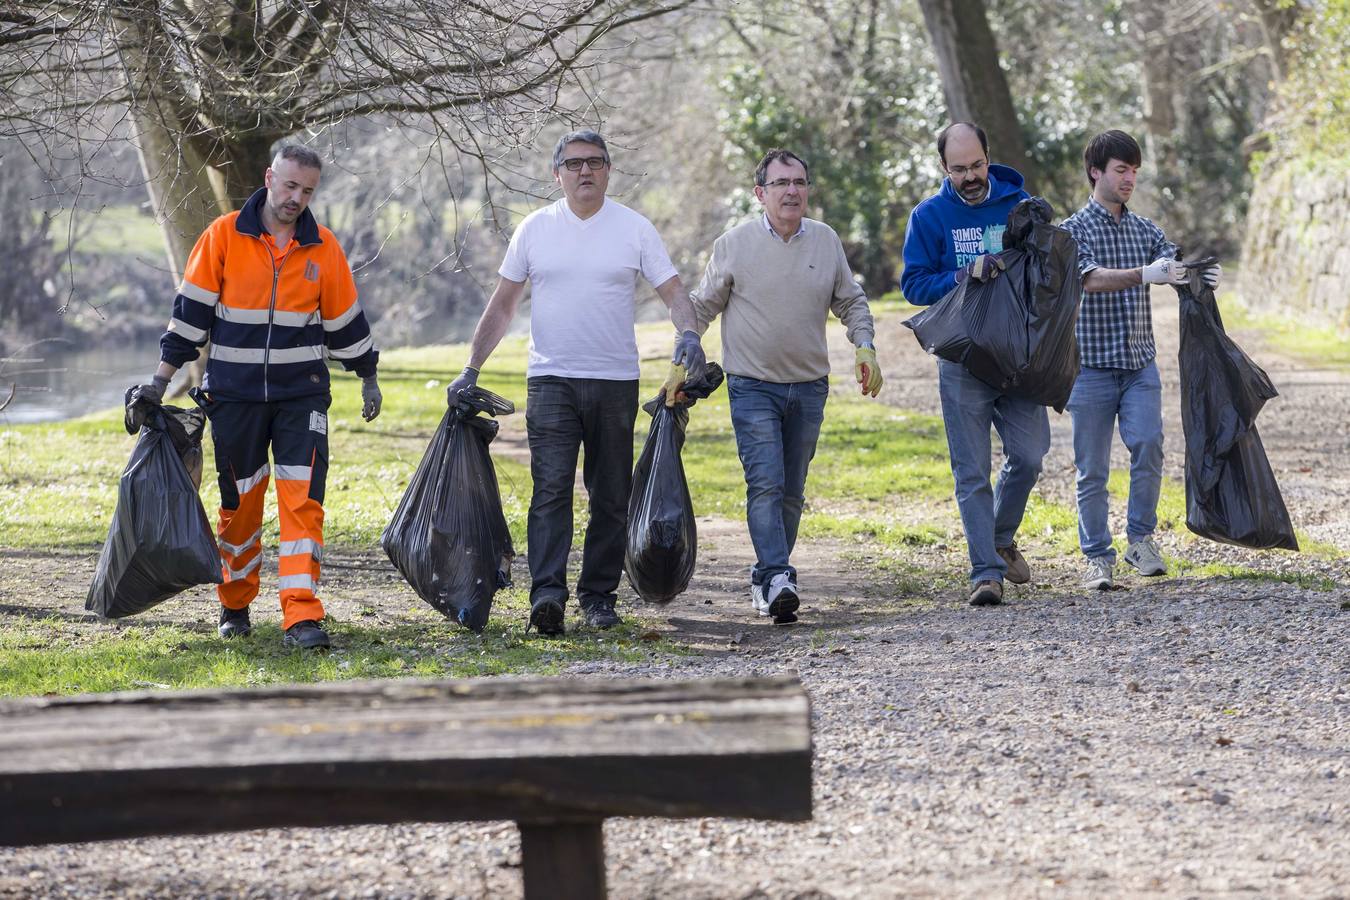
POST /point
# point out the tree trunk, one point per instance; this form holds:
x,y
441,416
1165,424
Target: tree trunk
x,y
187,189
974,85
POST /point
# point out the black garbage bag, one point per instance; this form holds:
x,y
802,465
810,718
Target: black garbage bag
x,y
662,536
448,536
160,542
1016,332
1231,494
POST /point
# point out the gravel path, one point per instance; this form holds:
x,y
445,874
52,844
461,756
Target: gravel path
x,y
1174,738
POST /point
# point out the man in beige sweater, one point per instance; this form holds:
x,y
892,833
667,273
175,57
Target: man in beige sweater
x,y
774,280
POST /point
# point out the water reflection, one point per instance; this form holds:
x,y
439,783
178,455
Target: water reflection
x,y
52,380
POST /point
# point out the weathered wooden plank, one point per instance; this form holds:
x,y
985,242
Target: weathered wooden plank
x,y
128,765
563,861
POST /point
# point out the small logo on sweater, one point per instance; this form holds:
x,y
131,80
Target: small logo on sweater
x,y
311,271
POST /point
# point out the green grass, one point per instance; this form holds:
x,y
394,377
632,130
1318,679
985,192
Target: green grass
x,y
1318,345
40,656
122,229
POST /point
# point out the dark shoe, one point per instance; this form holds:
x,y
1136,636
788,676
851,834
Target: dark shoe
x,y
306,635
600,613
234,622
1018,570
546,615
987,593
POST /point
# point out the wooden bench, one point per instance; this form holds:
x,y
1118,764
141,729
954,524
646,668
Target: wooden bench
x,y
558,756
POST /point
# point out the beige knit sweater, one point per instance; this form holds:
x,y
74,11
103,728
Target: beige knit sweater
x,y
774,298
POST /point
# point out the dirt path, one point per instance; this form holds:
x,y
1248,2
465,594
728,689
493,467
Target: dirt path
x,y
1174,738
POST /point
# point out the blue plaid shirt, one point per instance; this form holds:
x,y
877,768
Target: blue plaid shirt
x,y
1115,328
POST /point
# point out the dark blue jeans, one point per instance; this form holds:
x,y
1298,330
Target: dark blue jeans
x,y
563,415
776,430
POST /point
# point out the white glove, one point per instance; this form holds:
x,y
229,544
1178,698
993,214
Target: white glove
x,y
1164,271
1212,276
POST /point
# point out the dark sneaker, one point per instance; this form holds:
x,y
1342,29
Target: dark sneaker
x,y
306,635
783,599
234,622
600,613
546,615
987,593
1018,570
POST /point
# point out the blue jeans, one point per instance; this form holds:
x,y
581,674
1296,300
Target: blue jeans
x,y
562,415
990,517
1099,398
776,430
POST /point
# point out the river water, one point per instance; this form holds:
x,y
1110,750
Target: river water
x,y
53,381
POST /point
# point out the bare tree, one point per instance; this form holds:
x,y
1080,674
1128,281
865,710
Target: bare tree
x,y
209,86
973,82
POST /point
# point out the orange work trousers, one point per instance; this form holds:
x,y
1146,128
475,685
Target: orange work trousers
x,y
296,433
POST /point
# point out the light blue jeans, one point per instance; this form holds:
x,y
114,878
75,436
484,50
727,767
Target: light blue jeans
x,y
990,516
1100,398
776,429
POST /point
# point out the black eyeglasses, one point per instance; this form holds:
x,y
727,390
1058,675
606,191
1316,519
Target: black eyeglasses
x,y
594,163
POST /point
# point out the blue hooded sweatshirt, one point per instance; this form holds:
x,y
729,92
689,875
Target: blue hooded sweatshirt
x,y
944,234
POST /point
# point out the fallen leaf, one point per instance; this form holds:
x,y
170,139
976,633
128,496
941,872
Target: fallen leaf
x,y
650,636
1224,742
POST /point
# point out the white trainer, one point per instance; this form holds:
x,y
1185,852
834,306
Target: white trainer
x,y
757,598
783,599
1098,576
1144,555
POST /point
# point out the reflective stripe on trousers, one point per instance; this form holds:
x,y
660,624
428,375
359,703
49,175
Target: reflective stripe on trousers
x,y
296,432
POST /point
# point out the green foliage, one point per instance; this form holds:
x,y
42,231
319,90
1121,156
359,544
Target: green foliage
x,y
1315,118
858,99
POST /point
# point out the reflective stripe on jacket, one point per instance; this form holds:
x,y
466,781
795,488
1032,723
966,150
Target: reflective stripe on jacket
x,y
269,319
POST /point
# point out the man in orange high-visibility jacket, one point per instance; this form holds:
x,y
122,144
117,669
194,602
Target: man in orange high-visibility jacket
x,y
270,288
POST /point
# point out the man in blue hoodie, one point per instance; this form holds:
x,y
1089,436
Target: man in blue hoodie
x,y
952,236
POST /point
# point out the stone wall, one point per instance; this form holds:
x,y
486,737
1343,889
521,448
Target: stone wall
x,y
1296,253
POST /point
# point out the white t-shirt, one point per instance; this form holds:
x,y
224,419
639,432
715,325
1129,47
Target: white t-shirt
x,y
583,274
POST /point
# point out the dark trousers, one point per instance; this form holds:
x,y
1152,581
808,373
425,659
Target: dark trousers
x,y
561,416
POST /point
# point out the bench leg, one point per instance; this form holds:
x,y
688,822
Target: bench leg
x,y
563,860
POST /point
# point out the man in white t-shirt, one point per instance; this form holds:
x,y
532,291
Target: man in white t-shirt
x,y
582,256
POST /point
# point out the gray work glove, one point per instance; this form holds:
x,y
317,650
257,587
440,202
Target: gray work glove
x,y
371,398
137,398
689,353
985,267
467,379
154,391
1212,275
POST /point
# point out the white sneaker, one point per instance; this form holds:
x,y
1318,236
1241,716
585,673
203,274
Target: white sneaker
x,y
783,599
1144,555
757,598
1098,575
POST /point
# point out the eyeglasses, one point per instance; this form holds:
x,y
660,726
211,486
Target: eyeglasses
x,y
973,169
782,183
594,163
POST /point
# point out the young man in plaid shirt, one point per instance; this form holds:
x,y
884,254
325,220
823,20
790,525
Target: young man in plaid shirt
x,y
1119,254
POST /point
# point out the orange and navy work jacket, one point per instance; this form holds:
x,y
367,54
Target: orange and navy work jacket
x,y
269,312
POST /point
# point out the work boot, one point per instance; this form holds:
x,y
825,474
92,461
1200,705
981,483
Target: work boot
x,y
234,622
987,593
599,613
546,615
1018,570
306,635
783,599
1144,555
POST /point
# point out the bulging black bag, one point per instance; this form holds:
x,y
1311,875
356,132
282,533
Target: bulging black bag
x,y
160,542
448,536
1231,494
662,536
1015,332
